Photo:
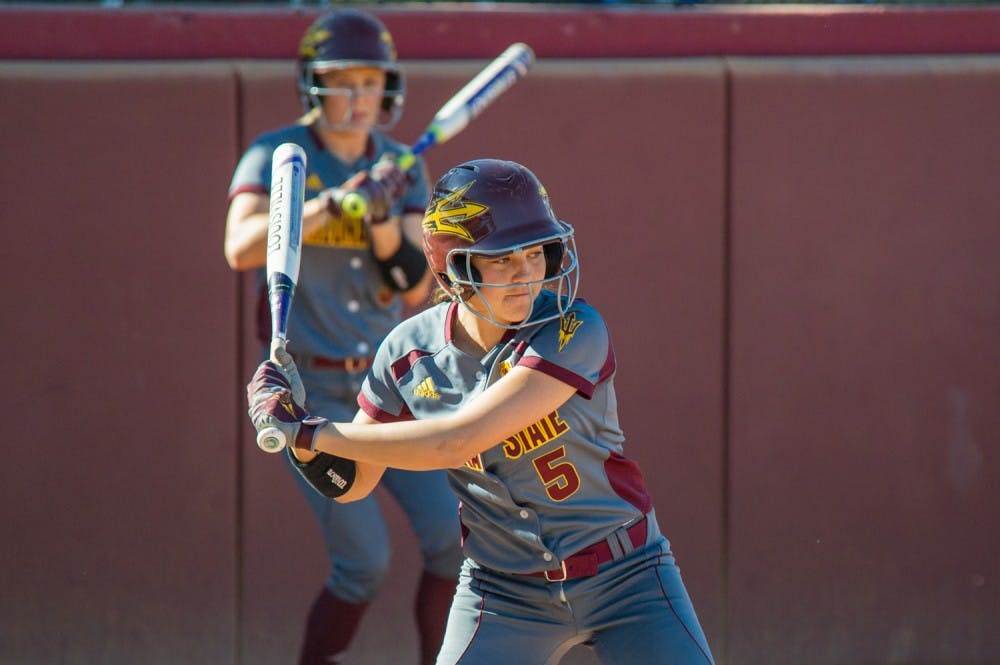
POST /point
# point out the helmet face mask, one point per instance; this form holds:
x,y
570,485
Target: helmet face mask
x,y
561,277
388,113
343,39
493,208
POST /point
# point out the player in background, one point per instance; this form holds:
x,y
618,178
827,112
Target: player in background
x,y
354,278
508,383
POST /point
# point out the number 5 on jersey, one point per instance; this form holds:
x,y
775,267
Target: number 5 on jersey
x,y
558,475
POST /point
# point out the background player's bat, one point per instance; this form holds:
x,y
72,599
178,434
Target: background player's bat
x,y
284,247
458,111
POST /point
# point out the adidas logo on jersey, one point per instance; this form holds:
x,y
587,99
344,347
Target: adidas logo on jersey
x,y
426,389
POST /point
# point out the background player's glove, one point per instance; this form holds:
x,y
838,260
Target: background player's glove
x,y
379,188
334,196
275,395
392,180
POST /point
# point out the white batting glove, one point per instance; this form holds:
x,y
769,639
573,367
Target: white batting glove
x,y
287,365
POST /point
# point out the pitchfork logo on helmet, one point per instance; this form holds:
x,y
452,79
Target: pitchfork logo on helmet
x,y
317,34
492,207
448,214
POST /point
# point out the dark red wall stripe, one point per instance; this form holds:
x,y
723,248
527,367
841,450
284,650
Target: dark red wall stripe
x,y
477,32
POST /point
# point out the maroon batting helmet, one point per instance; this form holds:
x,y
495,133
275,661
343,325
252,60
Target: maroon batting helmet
x,y
349,38
494,207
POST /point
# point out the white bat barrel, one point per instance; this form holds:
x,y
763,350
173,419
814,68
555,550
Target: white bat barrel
x,y
284,232
503,72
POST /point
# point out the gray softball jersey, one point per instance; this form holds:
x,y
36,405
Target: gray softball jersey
x,y
549,490
342,307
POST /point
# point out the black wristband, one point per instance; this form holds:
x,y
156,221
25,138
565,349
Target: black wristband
x,y
405,268
329,475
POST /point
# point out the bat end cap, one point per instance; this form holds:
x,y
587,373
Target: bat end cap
x,y
271,440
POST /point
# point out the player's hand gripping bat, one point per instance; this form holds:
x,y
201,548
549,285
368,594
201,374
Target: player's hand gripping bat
x,y
284,247
453,117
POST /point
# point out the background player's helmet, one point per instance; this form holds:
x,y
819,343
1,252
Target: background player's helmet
x,y
349,38
494,207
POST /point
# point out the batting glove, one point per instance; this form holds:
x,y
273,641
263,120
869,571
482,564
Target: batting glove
x,y
290,370
334,196
393,179
383,184
271,395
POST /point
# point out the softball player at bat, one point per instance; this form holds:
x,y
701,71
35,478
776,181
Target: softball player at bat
x,y
354,277
509,384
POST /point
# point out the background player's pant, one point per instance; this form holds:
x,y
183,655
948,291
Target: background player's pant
x,y
635,611
358,543
355,534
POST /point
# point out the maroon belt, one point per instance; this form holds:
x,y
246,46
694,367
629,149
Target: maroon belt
x,y
585,562
352,365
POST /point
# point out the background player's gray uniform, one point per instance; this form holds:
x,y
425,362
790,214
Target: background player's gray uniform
x,y
342,310
342,307
537,499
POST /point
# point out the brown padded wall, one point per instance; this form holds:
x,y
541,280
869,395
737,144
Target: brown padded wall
x,y
860,298
864,381
648,208
119,471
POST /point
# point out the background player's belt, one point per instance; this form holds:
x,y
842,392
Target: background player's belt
x,y
585,562
352,365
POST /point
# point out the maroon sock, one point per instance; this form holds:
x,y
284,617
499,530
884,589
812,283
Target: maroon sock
x,y
330,628
433,601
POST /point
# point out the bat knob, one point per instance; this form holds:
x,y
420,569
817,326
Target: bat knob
x,y
271,440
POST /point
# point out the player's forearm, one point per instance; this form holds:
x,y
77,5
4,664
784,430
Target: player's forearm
x,y
400,261
417,296
365,482
514,402
245,248
413,231
385,238
246,239
421,445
